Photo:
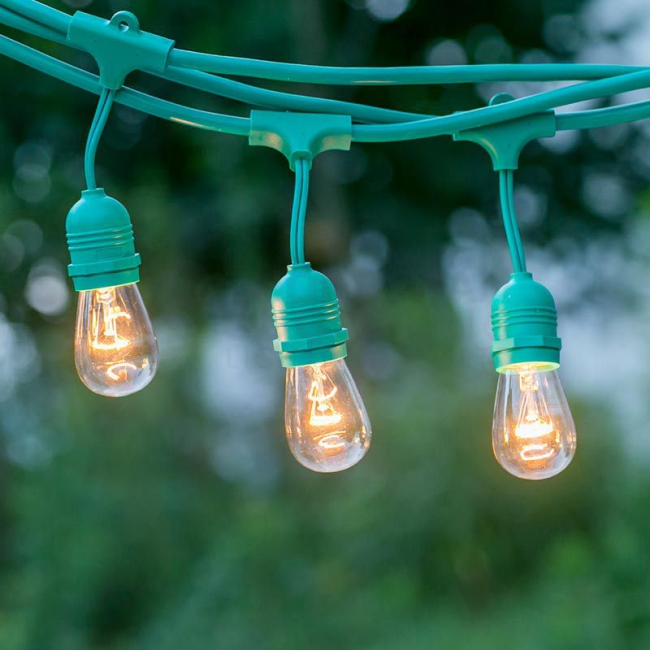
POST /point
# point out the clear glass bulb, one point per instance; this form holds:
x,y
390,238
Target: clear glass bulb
x,y
326,421
533,434
115,349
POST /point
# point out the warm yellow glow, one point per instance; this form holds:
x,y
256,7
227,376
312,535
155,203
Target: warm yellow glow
x,y
534,453
533,428
115,348
323,414
539,437
108,322
321,392
528,367
118,371
535,434
331,442
104,322
326,422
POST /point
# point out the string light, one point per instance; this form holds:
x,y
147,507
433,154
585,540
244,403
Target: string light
x,y
326,422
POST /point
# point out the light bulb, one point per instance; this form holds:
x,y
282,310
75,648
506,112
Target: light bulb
x,y
326,422
533,434
115,350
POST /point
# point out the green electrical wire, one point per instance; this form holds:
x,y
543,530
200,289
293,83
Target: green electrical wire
x,y
295,212
361,133
94,136
302,211
501,112
127,96
35,18
299,211
599,117
505,217
22,24
510,196
91,131
238,91
513,236
40,13
285,101
300,73
415,75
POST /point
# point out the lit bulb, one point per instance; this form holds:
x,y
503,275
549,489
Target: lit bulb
x,y
533,434
115,349
326,422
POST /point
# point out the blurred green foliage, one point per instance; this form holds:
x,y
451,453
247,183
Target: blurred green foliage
x,y
172,520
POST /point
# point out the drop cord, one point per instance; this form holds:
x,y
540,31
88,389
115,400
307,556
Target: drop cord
x,y
509,221
510,180
298,212
97,128
300,243
297,194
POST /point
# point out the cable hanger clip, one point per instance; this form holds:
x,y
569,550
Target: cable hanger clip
x,y
119,46
300,136
505,141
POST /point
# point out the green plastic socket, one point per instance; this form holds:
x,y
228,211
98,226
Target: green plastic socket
x,y
524,324
101,243
307,318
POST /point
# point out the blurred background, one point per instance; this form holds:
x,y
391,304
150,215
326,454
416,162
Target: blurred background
x,y
176,518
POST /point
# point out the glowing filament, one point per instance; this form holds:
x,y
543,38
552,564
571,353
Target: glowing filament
x,y
331,442
104,319
120,371
536,432
533,427
322,390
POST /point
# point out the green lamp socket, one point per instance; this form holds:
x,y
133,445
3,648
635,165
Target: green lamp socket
x,y
101,243
307,318
524,324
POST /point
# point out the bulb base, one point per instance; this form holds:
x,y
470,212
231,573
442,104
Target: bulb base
x,y
101,243
307,318
524,324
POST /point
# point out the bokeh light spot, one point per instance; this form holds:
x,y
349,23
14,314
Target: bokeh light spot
x,y
47,290
386,10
